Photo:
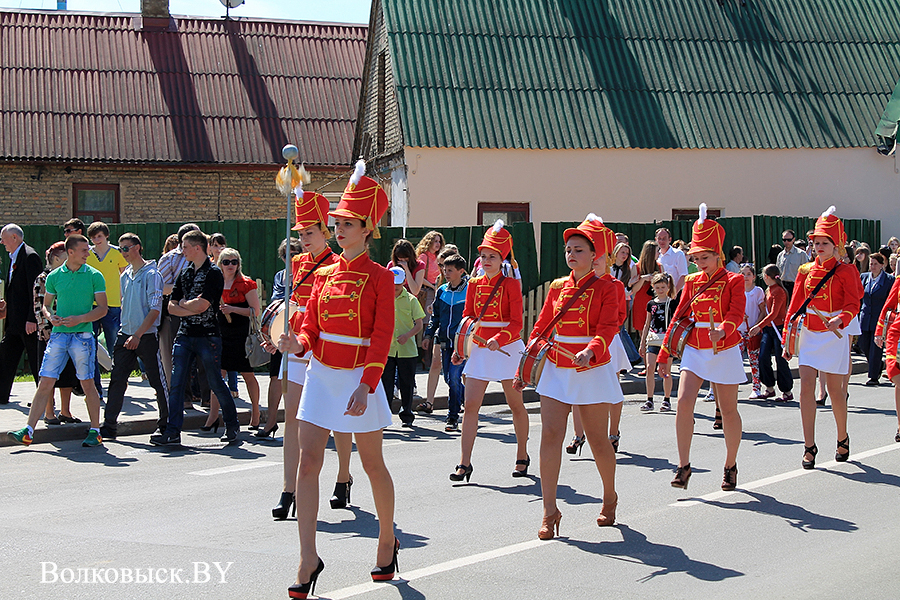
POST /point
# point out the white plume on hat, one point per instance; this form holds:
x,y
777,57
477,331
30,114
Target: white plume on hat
x,y
498,225
298,191
358,172
831,210
702,213
593,217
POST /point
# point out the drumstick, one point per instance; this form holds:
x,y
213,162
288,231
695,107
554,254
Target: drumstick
x,y
481,340
712,326
825,320
227,317
564,352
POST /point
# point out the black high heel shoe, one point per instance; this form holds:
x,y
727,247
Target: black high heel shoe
x,y
285,504
523,472
576,445
717,422
729,480
812,451
303,590
387,573
682,476
262,433
466,474
821,401
214,427
341,496
845,444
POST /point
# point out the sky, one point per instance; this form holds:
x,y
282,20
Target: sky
x,y
336,11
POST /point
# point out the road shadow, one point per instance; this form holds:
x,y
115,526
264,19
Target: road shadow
x,y
363,524
532,489
645,462
760,438
636,548
867,410
867,474
237,450
99,455
795,516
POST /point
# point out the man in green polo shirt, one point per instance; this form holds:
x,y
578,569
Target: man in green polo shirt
x,y
75,286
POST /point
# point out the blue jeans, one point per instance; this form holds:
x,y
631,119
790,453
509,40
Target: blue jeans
x,y
110,325
232,381
634,357
770,346
453,377
81,347
209,351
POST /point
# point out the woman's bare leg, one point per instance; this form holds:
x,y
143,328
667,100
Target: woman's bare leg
x,y
369,447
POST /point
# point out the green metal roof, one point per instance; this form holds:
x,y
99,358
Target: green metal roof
x,y
642,73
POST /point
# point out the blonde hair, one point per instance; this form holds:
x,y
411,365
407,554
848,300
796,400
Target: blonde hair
x,y
666,279
424,244
231,253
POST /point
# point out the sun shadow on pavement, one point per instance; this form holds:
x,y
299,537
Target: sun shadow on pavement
x,y
867,474
636,548
99,455
646,462
760,438
361,523
517,490
795,516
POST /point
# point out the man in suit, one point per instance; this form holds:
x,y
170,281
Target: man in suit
x,y
18,308
876,285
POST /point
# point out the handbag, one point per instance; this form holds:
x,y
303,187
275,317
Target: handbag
x,y
654,338
256,355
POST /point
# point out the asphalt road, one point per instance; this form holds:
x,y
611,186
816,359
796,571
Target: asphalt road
x,y
110,514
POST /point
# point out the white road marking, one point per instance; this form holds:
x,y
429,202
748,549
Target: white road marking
x,y
784,476
364,588
257,464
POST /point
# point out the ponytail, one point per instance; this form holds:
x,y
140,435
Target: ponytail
x,y
773,272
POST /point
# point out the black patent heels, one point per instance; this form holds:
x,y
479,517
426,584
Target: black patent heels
x,y
263,433
214,427
466,473
387,573
812,451
524,472
287,503
302,590
341,496
576,445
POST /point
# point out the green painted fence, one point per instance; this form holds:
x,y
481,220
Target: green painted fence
x,y
768,230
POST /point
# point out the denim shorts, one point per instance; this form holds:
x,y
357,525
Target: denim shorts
x,y
82,347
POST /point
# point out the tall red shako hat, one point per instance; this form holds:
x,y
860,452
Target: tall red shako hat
x,y
707,235
603,238
500,240
832,228
311,208
363,199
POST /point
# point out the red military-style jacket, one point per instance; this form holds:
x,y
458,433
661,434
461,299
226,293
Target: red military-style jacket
x,y
303,264
591,322
892,335
623,299
840,296
349,320
724,300
503,319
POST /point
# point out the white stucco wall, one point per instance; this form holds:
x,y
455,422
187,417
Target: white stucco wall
x,y
446,184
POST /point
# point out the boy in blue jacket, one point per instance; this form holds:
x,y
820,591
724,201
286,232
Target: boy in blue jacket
x,y
449,302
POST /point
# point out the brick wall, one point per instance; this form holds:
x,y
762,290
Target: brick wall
x,y
32,195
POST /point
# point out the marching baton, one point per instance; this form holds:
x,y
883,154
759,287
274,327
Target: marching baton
x,y
825,320
712,326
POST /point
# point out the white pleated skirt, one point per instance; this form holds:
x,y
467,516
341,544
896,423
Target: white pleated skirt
x,y
853,328
326,394
618,354
296,369
599,385
824,351
726,367
489,365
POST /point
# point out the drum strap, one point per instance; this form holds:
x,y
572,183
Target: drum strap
x,y
310,272
491,296
802,309
715,278
569,303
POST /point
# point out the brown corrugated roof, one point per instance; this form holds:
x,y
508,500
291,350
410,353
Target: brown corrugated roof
x,y
89,87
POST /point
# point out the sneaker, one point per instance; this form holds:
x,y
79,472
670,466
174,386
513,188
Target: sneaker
x,y
647,406
107,432
710,396
93,439
231,435
54,420
451,426
166,439
407,424
666,406
872,382
20,437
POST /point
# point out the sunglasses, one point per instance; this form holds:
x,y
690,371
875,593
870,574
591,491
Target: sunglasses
x,y
230,261
69,230
787,239
125,248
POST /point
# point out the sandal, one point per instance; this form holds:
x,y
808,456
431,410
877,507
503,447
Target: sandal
x,y
845,444
425,407
717,424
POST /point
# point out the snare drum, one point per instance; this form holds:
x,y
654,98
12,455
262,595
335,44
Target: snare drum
x,y
792,337
532,362
272,321
678,336
463,342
